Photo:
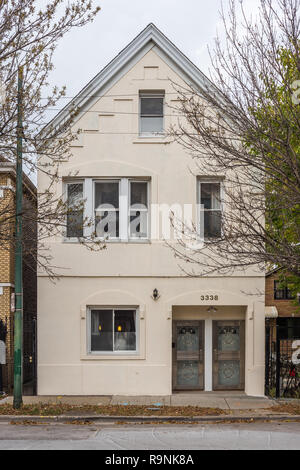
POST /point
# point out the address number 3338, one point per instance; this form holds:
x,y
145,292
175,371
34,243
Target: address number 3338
x,y
209,297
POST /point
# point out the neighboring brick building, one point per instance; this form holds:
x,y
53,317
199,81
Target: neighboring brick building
x,y
279,297
282,309
7,220
282,334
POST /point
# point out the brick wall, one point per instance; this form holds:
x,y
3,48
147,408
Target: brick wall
x,y
7,206
285,307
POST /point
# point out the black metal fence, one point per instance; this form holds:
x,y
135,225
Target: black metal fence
x,y
282,375
29,362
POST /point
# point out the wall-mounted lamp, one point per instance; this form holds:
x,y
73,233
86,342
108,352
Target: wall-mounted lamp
x,y
155,295
212,309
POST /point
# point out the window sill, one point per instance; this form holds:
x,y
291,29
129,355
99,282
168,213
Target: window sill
x,y
152,139
109,357
128,242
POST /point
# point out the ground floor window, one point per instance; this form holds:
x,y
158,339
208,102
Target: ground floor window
x,y
113,330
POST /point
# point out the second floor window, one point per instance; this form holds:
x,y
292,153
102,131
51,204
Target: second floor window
x,y
115,209
107,196
282,292
210,209
75,209
151,113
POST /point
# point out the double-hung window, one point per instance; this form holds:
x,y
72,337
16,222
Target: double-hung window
x,y
151,113
113,330
210,208
107,196
74,209
121,209
138,209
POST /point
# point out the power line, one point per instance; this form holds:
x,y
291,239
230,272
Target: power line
x,y
115,95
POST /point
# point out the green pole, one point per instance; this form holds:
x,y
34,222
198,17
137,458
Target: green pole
x,y
18,316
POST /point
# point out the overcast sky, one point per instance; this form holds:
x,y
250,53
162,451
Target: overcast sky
x,y
190,24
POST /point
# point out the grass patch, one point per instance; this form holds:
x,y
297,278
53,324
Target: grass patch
x,y
58,409
288,408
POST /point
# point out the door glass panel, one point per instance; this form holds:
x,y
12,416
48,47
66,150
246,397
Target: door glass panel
x,y
229,373
229,347
188,355
188,338
228,338
188,373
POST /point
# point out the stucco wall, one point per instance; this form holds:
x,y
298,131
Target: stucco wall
x,y
125,274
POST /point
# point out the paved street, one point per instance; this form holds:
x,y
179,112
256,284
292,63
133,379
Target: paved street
x,y
160,437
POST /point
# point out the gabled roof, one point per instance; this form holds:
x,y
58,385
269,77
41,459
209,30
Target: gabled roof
x,y
150,37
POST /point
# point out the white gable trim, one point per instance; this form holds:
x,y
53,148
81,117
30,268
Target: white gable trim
x,y
149,38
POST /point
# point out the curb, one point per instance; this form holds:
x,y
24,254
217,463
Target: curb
x,y
145,419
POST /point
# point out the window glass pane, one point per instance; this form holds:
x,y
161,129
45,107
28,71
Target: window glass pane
x,y
125,330
138,193
107,224
278,292
138,224
75,210
210,195
107,195
101,330
151,125
212,224
151,106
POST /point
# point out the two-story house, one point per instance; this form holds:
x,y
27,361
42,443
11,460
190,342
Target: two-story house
x,y
127,320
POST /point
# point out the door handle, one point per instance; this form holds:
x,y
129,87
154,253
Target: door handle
x,y
201,355
173,345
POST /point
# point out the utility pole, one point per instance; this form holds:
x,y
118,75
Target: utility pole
x,y
18,315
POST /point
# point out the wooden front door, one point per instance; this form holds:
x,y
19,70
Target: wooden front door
x,y
228,355
188,355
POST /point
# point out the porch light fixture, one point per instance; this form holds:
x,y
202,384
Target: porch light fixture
x,y
155,294
212,309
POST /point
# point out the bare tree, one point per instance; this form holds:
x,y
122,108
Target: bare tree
x,y
245,127
29,34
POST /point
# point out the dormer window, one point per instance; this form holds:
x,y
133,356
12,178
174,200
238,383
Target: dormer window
x,y
151,113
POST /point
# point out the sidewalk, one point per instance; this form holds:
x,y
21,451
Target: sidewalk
x,y
179,408
223,401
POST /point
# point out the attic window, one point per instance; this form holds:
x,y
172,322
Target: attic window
x,y
151,113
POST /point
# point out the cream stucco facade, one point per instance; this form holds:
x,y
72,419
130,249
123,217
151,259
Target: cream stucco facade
x,y
126,273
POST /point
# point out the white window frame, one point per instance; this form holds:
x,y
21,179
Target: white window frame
x,y
209,180
95,181
133,238
124,208
65,198
149,94
135,352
